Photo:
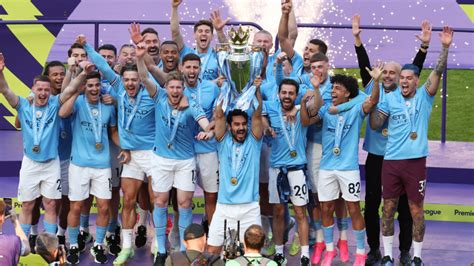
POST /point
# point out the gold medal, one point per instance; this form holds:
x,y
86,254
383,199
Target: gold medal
x,y
384,132
170,145
293,154
336,151
413,135
36,149
233,181
98,146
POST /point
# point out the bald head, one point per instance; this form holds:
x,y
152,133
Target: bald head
x,y
391,74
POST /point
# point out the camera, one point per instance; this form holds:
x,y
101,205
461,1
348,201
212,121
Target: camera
x,y
233,248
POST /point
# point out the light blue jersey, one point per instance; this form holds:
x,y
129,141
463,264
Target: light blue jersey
x,y
139,133
404,117
375,141
349,122
289,146
45,117
175,130
205,95
209,66
84,128
65,139
242,162
315,130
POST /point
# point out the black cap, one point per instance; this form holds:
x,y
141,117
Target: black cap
x,y
193,231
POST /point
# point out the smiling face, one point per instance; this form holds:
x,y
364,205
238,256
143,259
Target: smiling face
x,y
169,56
56,75
42,91
190,70
339,94
203,36
239,128
408,83
92,91
152,43
127,55
131,81
287,96
390,74
175,89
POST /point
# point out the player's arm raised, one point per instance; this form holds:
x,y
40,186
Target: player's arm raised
x,y
446,38
11,97
142,70
257,125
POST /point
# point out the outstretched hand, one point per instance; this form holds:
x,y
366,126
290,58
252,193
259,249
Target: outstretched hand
x,y
446,36
286,7
140,51
217,21
425,36
376,71
356,25
135,33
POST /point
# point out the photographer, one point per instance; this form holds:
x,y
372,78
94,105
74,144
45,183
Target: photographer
x,y
11,246
254,240
195,242
47,246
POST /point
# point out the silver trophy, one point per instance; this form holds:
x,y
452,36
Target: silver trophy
x,y
240,64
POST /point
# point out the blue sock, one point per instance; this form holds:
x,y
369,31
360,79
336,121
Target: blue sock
x,y
360,238
84,221
112,225
317,225
342,223
100,234
73,234
328,234
50,228
159,218
26,228
185,219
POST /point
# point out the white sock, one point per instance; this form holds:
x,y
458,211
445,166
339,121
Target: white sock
x,y
417,246
61,231
34,229
305,251
127,238
319,236
343,235
360,251
330,246
387,246
279,249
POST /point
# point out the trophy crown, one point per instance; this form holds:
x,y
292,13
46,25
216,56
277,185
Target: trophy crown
x,y
239,37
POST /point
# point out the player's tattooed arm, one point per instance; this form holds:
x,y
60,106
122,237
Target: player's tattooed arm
x,y
446,38
389,209
377,119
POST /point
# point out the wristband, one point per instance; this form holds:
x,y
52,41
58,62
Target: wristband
x,y
424,46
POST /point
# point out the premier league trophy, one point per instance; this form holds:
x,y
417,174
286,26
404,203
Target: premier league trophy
x,y
240,64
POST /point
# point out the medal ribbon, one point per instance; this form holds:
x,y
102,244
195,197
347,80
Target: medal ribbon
x,y
174,130
290,142
38,133
236,158
96,123
338,134
134,110
409,111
